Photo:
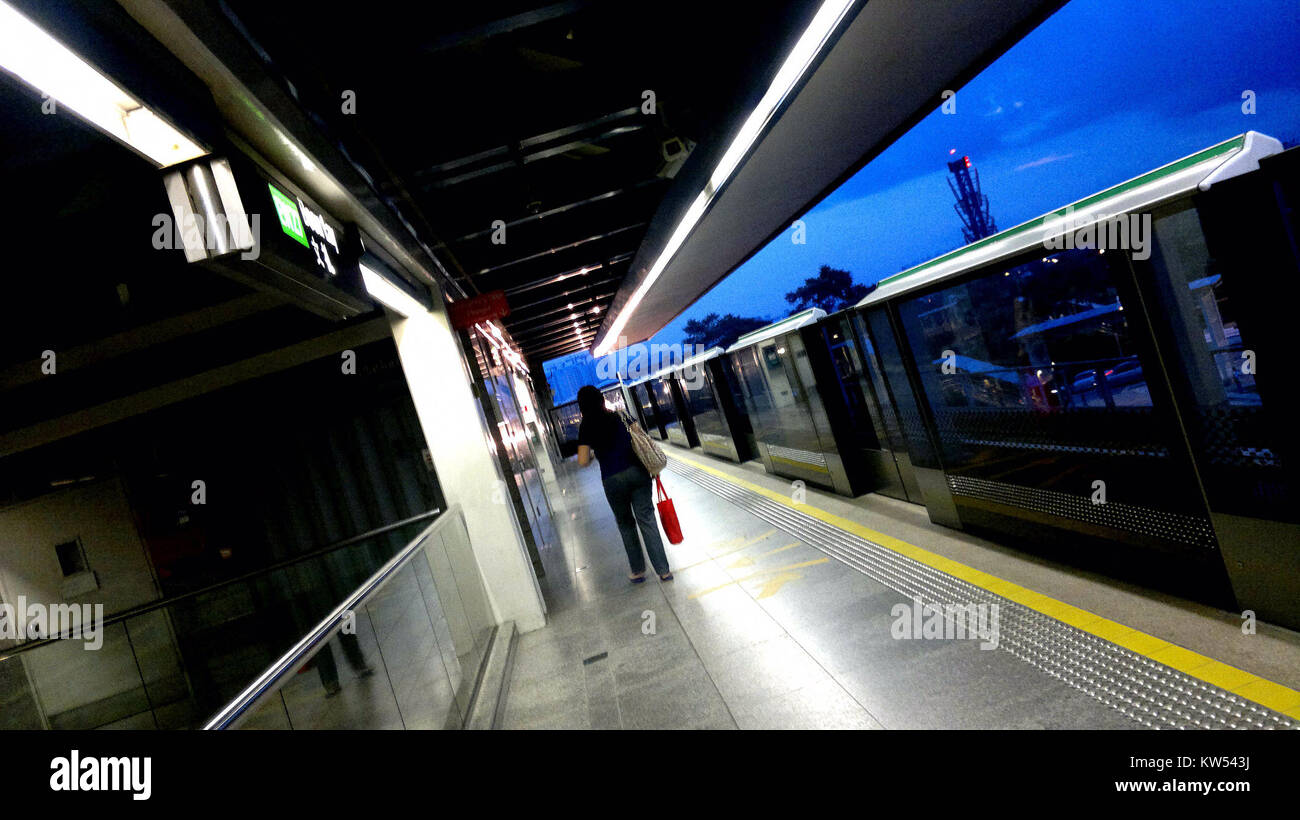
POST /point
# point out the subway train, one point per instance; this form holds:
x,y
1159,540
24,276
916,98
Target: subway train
x,y
1104,386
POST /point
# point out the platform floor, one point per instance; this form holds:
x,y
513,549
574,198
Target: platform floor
x,y
764,627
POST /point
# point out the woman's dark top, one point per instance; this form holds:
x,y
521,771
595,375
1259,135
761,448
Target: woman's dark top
x,y
608,439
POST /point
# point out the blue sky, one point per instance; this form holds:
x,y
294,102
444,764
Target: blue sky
x,y
1099,93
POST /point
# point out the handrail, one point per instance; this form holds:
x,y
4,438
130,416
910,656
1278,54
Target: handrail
x,y
276,675
162,603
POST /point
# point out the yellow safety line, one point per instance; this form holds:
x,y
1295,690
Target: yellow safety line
x,y
1265,692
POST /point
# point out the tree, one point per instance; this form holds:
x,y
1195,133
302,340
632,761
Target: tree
x,y
720,331
831,289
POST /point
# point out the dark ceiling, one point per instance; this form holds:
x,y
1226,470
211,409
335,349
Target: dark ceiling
x,y
528,113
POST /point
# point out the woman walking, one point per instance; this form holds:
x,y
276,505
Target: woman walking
x,y
626,481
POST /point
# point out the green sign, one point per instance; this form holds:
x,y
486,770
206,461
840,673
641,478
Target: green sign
x,y
290,219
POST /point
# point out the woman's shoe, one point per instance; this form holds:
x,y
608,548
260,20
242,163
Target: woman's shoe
x,y
637,579
667,577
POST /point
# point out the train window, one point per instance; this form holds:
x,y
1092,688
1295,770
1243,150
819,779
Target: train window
x,y
1216,312
1046,335
1216,360
1033,377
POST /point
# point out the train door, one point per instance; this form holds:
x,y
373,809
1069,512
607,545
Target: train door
x,y
863,435
918,459
1221,287
686,435
650,416
731,396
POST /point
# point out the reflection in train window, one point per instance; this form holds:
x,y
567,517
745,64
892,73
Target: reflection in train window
x,y
853,384
1216,361
1047,335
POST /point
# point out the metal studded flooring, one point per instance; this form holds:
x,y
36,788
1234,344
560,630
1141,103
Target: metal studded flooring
x,y
779,620
1150,693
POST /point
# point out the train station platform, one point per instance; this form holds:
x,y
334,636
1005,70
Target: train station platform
x,y
849,613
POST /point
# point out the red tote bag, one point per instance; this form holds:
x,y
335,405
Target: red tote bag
x,y
667,514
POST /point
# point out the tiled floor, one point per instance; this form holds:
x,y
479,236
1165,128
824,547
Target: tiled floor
x,y
757,631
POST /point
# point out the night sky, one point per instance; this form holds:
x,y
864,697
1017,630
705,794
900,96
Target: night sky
x,y
1101,92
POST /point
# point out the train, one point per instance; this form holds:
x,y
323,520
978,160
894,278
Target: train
x,y
1105,385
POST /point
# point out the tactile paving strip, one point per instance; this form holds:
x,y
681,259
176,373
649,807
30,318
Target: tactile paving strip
x,y
1154,695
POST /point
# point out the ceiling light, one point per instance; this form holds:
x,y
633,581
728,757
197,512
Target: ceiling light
x,y
36,58
805,51
391,295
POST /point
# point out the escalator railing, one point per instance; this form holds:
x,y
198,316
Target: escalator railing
x,y
414,635
174,662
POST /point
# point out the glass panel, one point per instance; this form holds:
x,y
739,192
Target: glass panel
x,y
697,390
1233,434
797,359
614,399
358,694
18,706
174,666
663,396
852,383
773,376
648,416
566,419
893,377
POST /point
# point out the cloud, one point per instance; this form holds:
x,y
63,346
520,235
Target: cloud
x,y
1044,160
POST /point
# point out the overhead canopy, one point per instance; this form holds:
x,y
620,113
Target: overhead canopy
x,y
887,70
523,145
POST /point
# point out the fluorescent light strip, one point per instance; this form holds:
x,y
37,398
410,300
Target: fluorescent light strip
x,y
36,58
796,64
391,295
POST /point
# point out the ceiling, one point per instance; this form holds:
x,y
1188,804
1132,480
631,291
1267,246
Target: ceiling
x,y
528,113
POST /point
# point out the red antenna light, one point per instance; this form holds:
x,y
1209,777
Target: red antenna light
x,y
966,160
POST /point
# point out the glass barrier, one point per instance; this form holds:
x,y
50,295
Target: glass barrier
x,y
176,662
411,649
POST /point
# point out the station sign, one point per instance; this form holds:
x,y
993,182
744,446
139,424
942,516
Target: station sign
x,y
262,230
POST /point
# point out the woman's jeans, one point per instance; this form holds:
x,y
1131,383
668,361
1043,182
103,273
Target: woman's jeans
x,y
629,497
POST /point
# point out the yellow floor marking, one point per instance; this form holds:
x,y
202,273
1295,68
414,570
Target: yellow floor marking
x,y
749,562
799,565
773,585
743,545
1239,682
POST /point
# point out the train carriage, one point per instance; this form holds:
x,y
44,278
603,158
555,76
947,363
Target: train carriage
x,y
1090,382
